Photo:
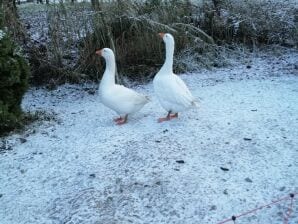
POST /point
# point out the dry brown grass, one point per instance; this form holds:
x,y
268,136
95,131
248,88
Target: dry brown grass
x,y
202,33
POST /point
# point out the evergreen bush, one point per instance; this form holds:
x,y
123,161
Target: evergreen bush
x,y
14,73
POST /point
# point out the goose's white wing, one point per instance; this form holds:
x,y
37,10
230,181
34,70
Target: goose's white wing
x,y
183,89
173,93
123,100
125,94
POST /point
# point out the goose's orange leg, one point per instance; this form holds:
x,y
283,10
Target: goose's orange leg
x,y
117,119
174,115
122,120
168,117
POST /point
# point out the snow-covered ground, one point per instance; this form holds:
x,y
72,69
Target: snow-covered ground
x,y
82,168
195,1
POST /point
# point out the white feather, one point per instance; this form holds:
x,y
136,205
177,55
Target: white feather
x,y
171,91
122,100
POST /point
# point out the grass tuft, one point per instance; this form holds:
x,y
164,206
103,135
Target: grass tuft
x,y
205,34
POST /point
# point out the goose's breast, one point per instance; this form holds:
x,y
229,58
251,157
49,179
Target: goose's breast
x,y
170,95
161,85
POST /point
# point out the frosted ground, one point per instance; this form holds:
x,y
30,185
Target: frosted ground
x,y
82,168
194,1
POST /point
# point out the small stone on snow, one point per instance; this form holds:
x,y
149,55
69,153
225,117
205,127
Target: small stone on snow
x,y
180,161
224,169
247,179
282,188
247,139
213,207
23,140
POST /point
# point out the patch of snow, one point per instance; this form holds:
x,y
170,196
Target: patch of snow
x,y
85,169
2,34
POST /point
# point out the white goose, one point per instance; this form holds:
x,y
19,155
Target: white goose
x,y
122,100
172,93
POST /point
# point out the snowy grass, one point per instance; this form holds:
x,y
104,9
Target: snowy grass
x,y
63,46
85,169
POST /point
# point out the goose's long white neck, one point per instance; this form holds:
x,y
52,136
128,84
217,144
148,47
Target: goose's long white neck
x,y
108,77
167,67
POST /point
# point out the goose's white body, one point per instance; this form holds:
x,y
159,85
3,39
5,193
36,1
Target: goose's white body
x,y
171,91
122,100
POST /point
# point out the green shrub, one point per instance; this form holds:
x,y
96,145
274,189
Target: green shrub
x,y
14,73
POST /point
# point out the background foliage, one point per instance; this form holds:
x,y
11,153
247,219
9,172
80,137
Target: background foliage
x,y
13,80
206,34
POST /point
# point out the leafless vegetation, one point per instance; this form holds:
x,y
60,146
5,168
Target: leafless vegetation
x,y
204,34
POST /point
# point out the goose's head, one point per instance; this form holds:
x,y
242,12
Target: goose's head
x,y
107,53
167,38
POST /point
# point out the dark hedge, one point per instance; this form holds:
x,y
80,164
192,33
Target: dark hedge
x,y
14,73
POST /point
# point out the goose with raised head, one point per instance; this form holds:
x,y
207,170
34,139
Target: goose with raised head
x,y
171,91
122,100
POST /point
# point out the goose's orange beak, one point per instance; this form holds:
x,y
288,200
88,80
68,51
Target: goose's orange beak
x,y
98,52
161,34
